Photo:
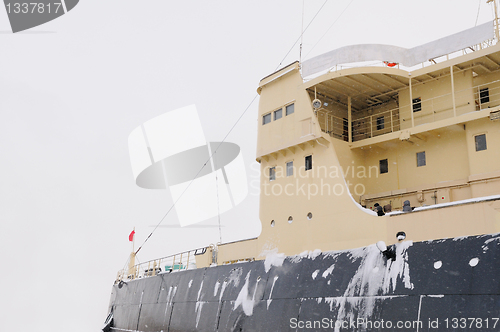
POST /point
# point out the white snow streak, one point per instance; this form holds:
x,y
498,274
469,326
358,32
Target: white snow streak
x,y
273,258
375,276
328,271
271,293
243,298
216,288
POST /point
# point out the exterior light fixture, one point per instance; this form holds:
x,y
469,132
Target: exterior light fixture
x,y
387,252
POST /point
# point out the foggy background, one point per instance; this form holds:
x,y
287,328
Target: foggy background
x,y
73,89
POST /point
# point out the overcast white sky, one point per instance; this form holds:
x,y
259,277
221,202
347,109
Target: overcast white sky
x,y
72,90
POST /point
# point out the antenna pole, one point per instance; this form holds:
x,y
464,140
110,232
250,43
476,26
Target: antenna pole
x,y
301,35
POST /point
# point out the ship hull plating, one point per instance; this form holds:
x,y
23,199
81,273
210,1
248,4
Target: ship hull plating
x,y
440,285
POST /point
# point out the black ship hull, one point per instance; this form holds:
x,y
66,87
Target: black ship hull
x,y
443,285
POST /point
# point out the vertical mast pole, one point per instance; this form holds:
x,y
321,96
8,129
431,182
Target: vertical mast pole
x,y
301,35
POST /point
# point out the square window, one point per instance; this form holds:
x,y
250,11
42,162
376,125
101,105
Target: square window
x,y
484,95
383,166
266,119
417,104
278,114
290,109
289,168
309,162
380,123
480,142
272,174
420,158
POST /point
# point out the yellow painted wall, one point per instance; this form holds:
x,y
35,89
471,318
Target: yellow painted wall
x,y
492,82
291,129
437,99
446,160
487,160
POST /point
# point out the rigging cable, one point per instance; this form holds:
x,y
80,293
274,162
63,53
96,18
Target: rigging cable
x,y
301,34
330,27
479,7
218,205
224,139
205,164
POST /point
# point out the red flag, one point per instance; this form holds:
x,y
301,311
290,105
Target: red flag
x,y
131,236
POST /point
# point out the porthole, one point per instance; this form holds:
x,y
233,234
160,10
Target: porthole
x,y
290,219
309,216
272,223
473,262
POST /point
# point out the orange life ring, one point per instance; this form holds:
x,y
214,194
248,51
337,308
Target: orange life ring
x,y
390,64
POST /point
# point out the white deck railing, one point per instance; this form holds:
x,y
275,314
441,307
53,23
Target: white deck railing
x,y
173,263
384,121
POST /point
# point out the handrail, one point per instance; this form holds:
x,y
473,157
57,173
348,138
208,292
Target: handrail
x,y
172,263
389,120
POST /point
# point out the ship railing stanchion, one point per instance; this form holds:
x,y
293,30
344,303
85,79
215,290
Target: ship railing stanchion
x,y
392,123
371,125
453,92
411,99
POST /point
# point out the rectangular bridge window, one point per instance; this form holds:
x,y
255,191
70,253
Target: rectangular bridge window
x,y
480,141
290,109
272,174
484,95
417,104
420,158
384,166
266,119
278,114
309,162
289,168
380,123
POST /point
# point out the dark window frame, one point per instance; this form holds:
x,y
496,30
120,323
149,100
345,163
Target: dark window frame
x,y
287,168
380,122
480,142
421,161
289,109
417,104
308,162
266,116
280,114
383,166
484,96
272,173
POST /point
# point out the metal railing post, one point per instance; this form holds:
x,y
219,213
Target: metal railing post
x,y
392,123
411,102
453,92
371,125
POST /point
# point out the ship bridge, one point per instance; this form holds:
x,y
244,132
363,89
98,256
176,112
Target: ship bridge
x,y
431,128
370,105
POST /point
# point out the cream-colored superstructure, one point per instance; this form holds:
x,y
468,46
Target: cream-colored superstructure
x,y
376,134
